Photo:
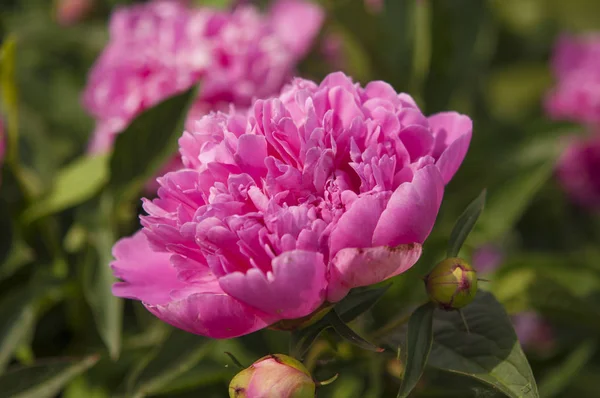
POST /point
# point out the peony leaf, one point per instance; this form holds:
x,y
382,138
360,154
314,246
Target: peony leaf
x,y
465,224
76,183
508,202
10,98
418,346
97,283
489,352
178,354
6,225
359,301
344,331
18,319
44,380
147,143
302,339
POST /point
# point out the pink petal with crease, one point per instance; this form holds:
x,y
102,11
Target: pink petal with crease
x,y
294,289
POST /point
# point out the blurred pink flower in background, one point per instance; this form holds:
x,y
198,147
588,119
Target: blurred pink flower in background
x,y
576,66
69,12
290,205
576,97
487,258
579,171
163,47
374,6
534,332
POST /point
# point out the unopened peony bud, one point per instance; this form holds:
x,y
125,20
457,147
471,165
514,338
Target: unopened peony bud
x,y
452,284
273,376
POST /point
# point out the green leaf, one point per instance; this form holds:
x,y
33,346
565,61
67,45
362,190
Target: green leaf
x,y
81,388
76,183
43,380
359,301
465,224
221,4
6,226
344,331
302,339
178,354
490,352
98,280
18,319
418,346
10,99
508,202
557,379
148,142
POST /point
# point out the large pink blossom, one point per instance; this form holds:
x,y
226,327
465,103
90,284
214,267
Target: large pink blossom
x,y
163,47
579,171
576,66
290,205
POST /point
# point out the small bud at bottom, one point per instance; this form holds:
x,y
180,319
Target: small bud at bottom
x,y
277,376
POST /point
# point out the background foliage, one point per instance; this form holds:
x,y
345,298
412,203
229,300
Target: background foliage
x,y
61,330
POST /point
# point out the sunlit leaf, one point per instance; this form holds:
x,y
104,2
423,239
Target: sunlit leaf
x,y
489,352
74,184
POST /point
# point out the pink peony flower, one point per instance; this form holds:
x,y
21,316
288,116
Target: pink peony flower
x,y
578,171
576,66
163,47
281,209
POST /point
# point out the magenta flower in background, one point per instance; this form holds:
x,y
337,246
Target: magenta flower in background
x,y
290,205
487,258
576,66
533,331
579,171
163,47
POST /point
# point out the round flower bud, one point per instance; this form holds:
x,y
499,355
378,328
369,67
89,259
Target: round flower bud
x,y
276,376
452,284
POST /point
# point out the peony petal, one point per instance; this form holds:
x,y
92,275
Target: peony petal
x,y
294,289
412,210
297,23
213,315
453,157
452,133
352,268
355,227
147,275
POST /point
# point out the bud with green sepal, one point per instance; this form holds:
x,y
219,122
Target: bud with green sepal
x,y
452,284
276,376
